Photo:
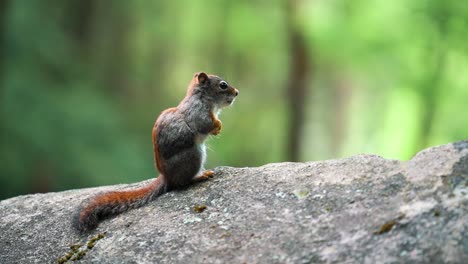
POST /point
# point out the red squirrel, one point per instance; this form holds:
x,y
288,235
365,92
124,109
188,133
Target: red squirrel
x,y
179,151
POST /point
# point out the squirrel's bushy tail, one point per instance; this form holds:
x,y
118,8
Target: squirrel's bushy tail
x,y
113,203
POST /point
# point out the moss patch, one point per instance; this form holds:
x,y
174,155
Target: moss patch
x,y
387,226
77,252
199,208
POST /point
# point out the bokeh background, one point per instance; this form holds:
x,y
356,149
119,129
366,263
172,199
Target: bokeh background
x,y
82,82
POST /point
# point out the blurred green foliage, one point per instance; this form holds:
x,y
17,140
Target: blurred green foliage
x,y
82,81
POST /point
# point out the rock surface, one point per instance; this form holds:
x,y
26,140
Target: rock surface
x,y
362,209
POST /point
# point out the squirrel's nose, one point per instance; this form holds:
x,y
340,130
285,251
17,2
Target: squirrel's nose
x,y
237,92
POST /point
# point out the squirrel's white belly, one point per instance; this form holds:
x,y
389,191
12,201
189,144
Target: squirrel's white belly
x,y
202,149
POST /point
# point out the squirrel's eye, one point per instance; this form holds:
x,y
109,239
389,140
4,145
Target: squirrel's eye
x,y
223,85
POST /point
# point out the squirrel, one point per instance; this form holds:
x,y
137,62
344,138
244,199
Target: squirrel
x,y
179,151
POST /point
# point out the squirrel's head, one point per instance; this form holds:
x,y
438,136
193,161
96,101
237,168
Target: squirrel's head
x,y
213,88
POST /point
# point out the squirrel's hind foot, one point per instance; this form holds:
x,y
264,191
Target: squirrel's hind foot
x,y
204,176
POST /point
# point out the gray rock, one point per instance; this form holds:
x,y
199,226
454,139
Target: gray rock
x,y
362,209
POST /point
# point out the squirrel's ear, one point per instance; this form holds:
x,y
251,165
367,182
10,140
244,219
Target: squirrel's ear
x,y
201,77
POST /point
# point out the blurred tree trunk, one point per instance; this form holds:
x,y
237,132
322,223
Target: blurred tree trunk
x,y
115,25
340,100
76,25
298,76
81,14
429,90
3,11
430,101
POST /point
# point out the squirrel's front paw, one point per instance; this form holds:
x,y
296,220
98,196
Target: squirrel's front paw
x,y
217,128
216,131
